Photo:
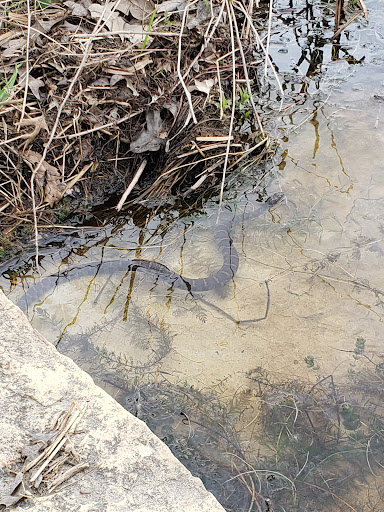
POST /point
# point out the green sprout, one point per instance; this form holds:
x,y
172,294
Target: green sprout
x,y
6,90
359,346
149,29
310,361
224,102
244,95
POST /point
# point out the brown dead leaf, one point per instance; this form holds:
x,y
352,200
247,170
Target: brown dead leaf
x,y
205,86
153,136
203,14
7,36
38,124
77,9
14,47
35,84
139,9
131,86
9,500
100,11
171,6
118,25
134,32
132,70
48,177
101,82
44,26
53,192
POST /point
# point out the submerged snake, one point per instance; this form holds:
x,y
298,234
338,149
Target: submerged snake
x,y
218,279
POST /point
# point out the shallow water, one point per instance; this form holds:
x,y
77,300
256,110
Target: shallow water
x,y
310,284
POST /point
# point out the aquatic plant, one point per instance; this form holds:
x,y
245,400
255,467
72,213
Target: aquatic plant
x,y
273,444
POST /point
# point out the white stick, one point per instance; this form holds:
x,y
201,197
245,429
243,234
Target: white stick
x,y
135,179
268,37
187,93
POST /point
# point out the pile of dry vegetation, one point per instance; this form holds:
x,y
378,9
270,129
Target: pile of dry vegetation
x,y
125,98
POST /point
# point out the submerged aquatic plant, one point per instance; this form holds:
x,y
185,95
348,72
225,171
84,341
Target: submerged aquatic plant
x,y
271,445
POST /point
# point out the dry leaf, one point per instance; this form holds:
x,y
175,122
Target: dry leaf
x,y
53,193
153,137
165,66
71,27
48,177
45,26
132,70
7,36
205,86
76,9
115,79
38,124
101,82
171,6
139,9
14,48
9,500
35,84
118,25
203,14
131,86
136,34
97,11
172,106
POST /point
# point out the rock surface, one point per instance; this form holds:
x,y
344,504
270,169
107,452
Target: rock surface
x,y
130,469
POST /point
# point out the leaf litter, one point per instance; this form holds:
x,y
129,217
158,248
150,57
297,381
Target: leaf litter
x,y
48,461
91,83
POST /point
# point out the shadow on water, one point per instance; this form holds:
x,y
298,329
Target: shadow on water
x,y
260,389
272,445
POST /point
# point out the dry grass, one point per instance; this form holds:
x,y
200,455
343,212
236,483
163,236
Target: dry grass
x,y
120,96
54,456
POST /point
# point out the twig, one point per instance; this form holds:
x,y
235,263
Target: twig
x,y
332,494
339,31
207,40
53,448
363,8
338,8
26,63
67,475
252,491
102,127
268,37
135,179
187,93
247,31
79,175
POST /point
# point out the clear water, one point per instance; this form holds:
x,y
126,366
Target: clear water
x,y
225,378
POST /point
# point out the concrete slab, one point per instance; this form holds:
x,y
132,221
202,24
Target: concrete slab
x,y
130,469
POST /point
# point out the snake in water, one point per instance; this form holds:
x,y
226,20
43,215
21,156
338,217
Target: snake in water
x,y
218,279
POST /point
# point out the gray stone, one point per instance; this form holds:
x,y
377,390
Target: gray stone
x,y
130,469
